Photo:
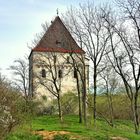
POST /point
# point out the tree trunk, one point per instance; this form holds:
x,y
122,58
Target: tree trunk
x,y
84,106
135,115
111,110
84,96
79,100
136,118
59,108
94,96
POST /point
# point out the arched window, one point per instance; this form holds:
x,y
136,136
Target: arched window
x,y
43,73
60,74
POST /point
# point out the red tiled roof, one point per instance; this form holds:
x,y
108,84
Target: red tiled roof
x,y
56,34
57,49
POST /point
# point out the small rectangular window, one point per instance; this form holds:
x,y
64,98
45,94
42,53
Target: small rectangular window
x,y
58,43
54,57
75,73
43,73
60,74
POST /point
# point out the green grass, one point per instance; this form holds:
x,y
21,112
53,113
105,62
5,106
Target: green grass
x,y
23,136
102,131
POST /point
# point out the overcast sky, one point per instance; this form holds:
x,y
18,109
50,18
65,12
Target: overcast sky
x,y
20,20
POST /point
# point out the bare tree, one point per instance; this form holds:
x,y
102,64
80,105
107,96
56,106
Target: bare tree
x,y
52,75
109,82
78,87
80,66
20,70
125,50
87,26
81,71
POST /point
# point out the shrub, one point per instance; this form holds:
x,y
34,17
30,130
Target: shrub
x,y
70,103
14,108
121,106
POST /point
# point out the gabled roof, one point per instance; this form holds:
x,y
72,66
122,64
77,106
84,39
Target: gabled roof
x,y
57,39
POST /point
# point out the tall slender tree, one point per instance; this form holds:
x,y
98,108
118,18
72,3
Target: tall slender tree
x,y
81,74
87,26
124,43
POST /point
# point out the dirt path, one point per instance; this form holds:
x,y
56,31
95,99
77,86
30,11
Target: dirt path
x,y
48,135
118,138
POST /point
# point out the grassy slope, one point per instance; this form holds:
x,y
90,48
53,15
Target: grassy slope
x,y
102,131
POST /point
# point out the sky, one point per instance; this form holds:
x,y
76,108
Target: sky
x,y
20,20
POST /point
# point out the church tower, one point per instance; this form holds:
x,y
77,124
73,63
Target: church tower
x,y
51,62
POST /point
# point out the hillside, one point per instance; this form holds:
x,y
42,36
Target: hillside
x,y
70,126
